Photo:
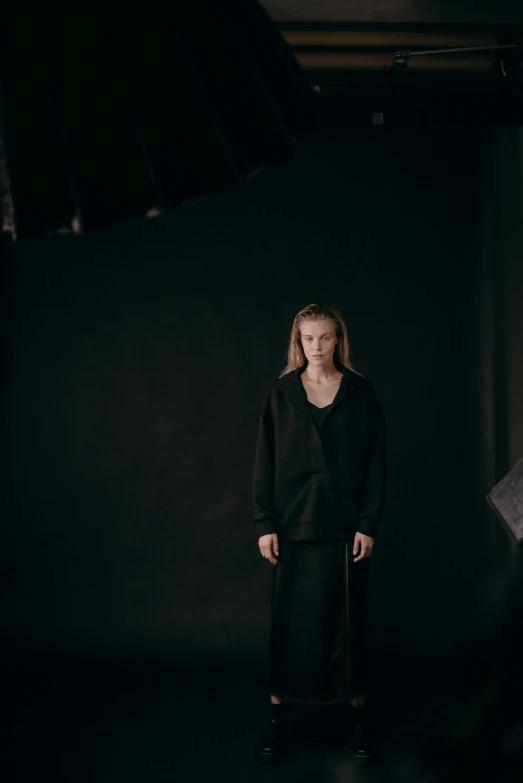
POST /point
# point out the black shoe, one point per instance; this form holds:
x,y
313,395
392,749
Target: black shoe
x,y
272,744
359,741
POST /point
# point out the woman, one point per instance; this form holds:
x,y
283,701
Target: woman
x,y
318,488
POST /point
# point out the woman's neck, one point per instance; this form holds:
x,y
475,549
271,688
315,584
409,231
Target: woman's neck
x,y
323,374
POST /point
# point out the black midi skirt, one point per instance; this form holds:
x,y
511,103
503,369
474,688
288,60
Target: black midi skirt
x,y
318,632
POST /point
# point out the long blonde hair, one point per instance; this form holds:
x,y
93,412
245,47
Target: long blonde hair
x,y
318,312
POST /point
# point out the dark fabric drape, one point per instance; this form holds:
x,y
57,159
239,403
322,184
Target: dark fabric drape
x,y
126,113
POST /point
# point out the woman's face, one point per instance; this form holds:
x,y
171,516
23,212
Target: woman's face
x,y
318,339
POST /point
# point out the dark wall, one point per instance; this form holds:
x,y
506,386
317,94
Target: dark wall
x,y
500,330
136,364
508,211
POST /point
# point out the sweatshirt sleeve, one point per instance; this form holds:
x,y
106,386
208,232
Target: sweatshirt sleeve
x,y
265,514
374,485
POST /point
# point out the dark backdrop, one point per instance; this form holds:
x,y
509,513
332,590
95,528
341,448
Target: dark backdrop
x,y
137,359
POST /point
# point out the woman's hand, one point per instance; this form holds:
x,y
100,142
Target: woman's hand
x,y
366,543
269,544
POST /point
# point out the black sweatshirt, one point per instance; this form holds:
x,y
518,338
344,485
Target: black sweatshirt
x,y
308,485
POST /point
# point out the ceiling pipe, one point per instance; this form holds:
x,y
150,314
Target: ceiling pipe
x,y
376,61
397,39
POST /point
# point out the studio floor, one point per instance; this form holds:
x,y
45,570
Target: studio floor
x,y
107,721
